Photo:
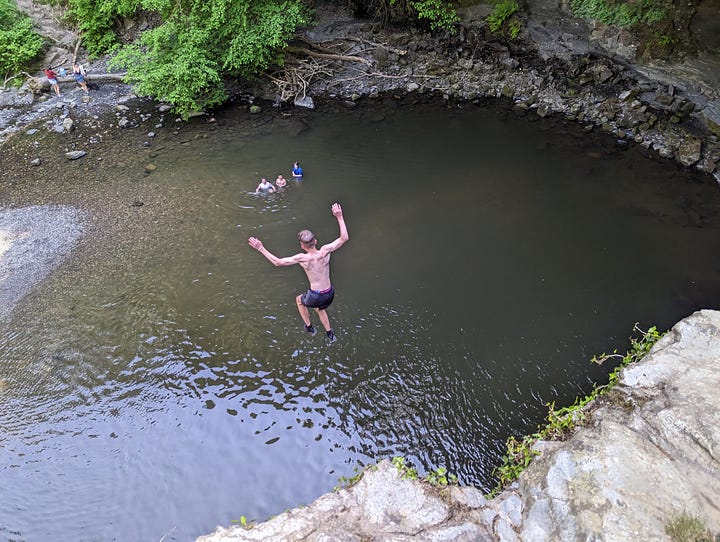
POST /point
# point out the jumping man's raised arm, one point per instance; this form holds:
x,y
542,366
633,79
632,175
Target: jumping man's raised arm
x,y
344,236
278,262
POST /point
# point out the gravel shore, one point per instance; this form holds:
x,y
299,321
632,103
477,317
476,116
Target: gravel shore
x,y
33,241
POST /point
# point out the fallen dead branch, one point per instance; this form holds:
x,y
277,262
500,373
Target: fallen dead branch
x,y
293,79
329,56
38,84
400,52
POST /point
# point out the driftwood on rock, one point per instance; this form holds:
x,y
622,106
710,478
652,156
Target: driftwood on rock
x,y
329,56
293,78
304,64
399,52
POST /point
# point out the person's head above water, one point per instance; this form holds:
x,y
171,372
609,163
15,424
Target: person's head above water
x,y
307,238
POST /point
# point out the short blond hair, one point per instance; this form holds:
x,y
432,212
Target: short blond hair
x,y
306,237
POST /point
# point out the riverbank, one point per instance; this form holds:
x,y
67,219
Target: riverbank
x,y
558,66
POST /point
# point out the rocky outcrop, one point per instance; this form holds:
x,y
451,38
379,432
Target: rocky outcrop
x,y
560,65
649,453
46,20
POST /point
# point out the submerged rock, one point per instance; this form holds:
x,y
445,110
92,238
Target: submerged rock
x,y
74,155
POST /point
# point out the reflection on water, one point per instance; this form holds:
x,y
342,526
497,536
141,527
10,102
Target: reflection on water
x,y
164,384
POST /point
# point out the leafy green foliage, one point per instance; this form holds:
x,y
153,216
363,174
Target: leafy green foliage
x,y
243,522
405,470
561,422
440,15
19,43
504,17
185,59
346,482
436,477
96,19
441,477
621,13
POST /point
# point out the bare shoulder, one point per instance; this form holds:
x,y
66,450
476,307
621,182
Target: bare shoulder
x,y
302,257
327,249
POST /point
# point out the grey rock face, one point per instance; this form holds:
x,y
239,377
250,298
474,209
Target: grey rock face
x,y
649,456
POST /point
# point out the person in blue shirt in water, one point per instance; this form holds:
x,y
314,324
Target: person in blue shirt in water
x,y
297,171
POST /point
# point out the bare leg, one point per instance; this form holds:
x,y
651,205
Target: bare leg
x,y
302,309
324,318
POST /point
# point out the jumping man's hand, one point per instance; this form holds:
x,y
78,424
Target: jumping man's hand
x,y
336,210
255,243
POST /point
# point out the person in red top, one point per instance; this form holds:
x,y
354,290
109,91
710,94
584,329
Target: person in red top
x,y
52,79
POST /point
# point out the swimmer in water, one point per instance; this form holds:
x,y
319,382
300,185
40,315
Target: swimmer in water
x,y
264,187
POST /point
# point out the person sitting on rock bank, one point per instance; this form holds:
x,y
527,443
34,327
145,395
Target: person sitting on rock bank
x,y
79,75
52,79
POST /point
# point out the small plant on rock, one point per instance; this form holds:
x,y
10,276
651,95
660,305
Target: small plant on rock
x,y
345,482
687,528
562,422
504,18
406,471
243,522
441,477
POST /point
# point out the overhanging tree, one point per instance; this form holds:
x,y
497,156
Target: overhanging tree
x,y
19,43
185,59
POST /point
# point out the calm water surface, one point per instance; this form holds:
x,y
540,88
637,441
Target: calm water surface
x,y
162,390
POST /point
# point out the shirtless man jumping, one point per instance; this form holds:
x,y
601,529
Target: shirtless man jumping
x,y
316,263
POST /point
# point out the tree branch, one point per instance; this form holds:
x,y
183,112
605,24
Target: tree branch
x,y
343,58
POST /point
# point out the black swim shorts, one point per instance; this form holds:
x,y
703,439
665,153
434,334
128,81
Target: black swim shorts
x,y
318,300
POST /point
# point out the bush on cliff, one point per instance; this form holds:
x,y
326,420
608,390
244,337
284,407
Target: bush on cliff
x,y
97,20
621,13
19,43
431,14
